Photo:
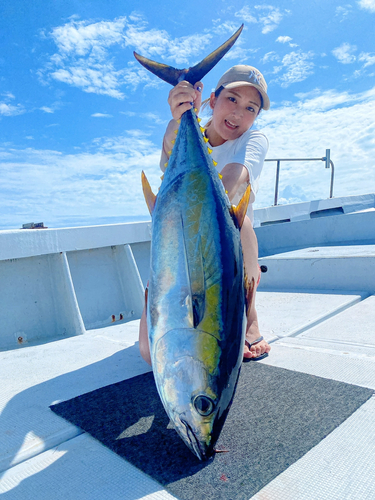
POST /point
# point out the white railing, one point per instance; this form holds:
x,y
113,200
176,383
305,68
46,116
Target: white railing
x,y
326,159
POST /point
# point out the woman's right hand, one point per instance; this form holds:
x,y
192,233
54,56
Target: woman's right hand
x,y
184,96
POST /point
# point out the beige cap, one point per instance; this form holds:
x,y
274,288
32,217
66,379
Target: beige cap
x,y
243,75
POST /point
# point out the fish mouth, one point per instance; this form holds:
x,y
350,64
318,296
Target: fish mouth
x,y
195,445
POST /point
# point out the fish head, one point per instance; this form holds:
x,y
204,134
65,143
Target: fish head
x,y
195,395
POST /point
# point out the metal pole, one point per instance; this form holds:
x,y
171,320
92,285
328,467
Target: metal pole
x,y
332,175
328,158
277,181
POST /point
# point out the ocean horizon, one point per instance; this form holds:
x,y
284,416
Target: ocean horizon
x,y
64,221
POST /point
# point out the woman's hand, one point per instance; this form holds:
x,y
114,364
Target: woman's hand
x,y
184,96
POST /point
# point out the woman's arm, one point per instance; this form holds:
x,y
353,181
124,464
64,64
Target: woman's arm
x,y
182,97
234,175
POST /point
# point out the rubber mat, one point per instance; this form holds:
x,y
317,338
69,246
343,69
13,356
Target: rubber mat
x,y
277,416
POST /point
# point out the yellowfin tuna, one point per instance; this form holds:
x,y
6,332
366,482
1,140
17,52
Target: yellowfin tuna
x,y
196,298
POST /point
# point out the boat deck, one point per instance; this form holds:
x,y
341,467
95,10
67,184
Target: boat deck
x,y
324,333
316,306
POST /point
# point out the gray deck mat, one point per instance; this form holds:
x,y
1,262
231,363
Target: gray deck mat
x,y
277,416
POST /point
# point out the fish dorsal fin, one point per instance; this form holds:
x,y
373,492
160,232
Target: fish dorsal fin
x,y
150,197
240,210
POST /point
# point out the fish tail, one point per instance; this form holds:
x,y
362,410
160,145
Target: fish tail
x,y
192,75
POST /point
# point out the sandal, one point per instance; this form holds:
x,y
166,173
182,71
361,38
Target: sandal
x,y
258,358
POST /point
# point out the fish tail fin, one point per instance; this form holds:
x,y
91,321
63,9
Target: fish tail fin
x,y
150,197
192,75
240,210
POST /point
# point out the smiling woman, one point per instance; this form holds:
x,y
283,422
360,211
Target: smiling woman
x,y
238,153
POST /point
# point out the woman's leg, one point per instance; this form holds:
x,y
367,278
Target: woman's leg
x,y
250,254
144,346
233,176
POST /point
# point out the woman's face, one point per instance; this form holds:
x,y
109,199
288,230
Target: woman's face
x,y
234,112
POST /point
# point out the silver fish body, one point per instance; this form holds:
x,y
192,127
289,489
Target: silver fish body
x,y
196,296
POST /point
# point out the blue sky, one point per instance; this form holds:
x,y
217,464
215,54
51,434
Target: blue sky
x,y
80,118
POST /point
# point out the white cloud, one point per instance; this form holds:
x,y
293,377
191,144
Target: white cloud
x,y
270,56
367,5
344,53
268,16
270,19
78,38
343,11
239,53
305,130
221,27
103,180
147,116
86,56
47,109
101,115
246,15
367,58
11,110
8,109
8,95
284,39
296,67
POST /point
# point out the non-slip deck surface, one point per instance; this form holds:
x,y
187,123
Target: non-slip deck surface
x,y
277,416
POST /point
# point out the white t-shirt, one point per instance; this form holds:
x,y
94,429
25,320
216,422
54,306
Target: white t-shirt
x,y
250,150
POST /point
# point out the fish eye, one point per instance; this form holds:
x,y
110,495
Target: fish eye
x,y
204,405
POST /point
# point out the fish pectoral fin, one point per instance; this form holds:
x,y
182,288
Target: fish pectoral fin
x,y
150,197
194,270
240,210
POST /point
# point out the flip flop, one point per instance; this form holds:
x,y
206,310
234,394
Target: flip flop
x,y
258,358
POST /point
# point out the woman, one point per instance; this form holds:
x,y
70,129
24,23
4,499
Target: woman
x,y
239,152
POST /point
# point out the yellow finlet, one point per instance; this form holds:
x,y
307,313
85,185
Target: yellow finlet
x,y
166,164
173,141
199,119
176,131
206,139
220,176
215,163
209,151
202,129
178,121
240,210
169,153
148,194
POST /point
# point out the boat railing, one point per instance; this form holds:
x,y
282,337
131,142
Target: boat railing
x,y
326,159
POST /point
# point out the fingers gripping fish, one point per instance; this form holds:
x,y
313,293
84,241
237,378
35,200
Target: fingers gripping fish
x,y
196,296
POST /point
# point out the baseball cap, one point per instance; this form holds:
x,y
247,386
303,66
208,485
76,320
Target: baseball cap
x,y
243,75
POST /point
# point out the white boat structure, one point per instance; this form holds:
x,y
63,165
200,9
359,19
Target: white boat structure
x,y
70,305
